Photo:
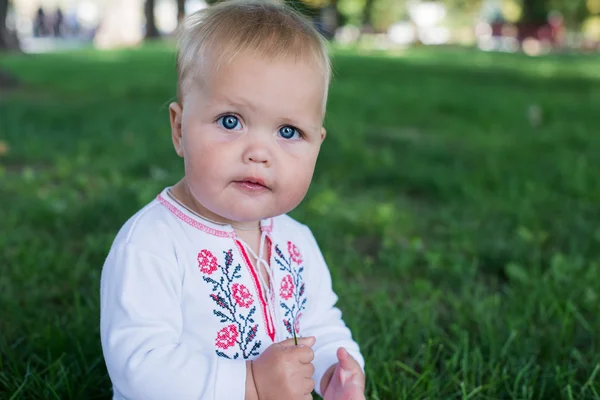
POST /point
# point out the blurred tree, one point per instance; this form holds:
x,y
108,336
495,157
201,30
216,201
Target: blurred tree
x,y
387,12
315,4
367,14
309,8
463,6
151,30
180,11
534,12
8,39
377,15
574,12
351,10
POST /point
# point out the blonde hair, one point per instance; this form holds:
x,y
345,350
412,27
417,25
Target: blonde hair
x,y
216,35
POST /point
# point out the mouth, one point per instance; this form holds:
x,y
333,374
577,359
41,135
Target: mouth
x,y
252,183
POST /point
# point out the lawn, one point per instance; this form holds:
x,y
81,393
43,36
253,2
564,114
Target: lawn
x,y
456,199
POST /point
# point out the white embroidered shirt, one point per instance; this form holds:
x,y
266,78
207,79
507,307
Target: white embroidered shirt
x,y
182,307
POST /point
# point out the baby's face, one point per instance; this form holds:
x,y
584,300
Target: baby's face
x,y
251,137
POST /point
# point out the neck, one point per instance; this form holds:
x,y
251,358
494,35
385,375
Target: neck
x,y
251,237
182,193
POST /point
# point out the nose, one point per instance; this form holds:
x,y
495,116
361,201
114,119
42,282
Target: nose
x,y
257,151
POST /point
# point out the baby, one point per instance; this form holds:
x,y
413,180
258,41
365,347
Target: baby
x,y
211,291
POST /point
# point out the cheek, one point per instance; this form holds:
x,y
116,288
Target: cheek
x,y
204,162
300,150
202,145
298,176
211,164
295,193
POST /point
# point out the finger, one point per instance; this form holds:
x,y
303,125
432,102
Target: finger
x,y
309,370
302,342
308,386
304,354
346,361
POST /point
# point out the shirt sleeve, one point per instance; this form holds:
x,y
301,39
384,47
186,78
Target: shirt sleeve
x,y
141,325
324,321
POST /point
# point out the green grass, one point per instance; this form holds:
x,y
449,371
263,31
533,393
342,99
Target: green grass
x,y
464,241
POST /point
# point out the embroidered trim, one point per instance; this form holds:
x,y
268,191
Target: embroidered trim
x,y
269,326
192,222
268,228
228,296
292,287
207,229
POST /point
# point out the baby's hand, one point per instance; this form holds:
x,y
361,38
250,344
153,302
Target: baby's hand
x,y
284,371
347,381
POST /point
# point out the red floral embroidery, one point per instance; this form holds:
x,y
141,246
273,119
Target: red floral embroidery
x,y
297,323
207,262
227,337
233,307
287,287
242,295
294,253
292,291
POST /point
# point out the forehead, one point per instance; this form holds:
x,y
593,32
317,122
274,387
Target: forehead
x,y
272,86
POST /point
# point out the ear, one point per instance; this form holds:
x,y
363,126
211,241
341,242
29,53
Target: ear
x,y
175,115
323,133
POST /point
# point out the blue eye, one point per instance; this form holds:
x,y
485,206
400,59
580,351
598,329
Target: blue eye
x,y
229,122
289,132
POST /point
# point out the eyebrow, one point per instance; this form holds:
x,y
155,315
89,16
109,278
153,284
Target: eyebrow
x,y
238,103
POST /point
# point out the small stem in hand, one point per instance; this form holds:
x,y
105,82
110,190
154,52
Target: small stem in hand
x,y
295,339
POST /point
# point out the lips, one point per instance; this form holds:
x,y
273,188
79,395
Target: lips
x,y
252,183
257,181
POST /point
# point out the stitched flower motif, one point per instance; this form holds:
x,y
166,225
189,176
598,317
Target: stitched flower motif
x,y
236,337
292,287
242,295
297,323
226,337
288,325
207,262
294,253
287,287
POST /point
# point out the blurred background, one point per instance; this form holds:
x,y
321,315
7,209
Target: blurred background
x,y
456,198
532,26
